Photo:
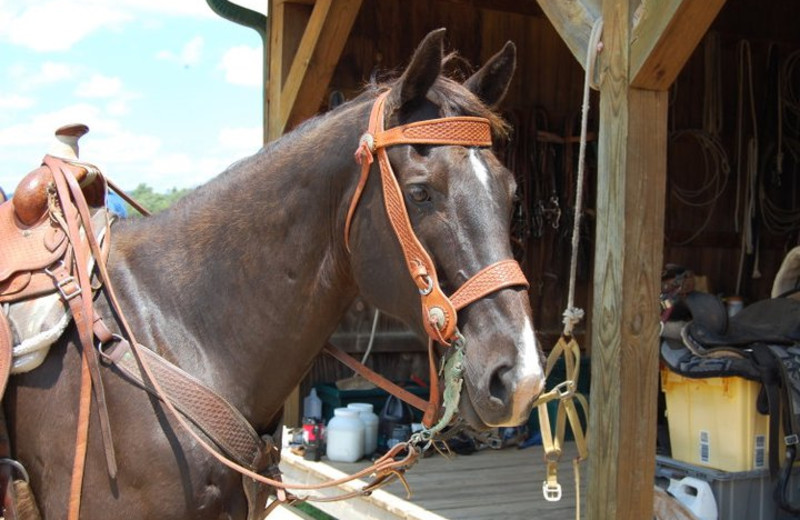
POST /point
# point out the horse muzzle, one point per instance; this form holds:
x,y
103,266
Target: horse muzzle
x,y
503,377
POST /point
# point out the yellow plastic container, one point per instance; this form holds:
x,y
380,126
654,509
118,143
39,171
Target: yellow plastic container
x,y
714,423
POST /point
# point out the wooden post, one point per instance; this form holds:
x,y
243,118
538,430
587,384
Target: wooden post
x,y
646,48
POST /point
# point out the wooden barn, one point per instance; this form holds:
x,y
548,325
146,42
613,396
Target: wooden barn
x,y
693,159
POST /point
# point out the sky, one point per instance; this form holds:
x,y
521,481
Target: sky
x,y
171,92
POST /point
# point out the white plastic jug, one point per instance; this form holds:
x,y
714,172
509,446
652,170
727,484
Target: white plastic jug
x,y
346,434
370,419
695,494
312,405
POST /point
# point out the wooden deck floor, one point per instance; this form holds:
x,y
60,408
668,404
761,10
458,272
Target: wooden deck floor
x,y
488,484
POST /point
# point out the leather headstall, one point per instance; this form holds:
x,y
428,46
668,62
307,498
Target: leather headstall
x,y
439,311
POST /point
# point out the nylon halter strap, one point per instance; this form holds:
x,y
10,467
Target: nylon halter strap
x,y
439,312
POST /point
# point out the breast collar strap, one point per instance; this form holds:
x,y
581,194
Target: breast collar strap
x,y
438,311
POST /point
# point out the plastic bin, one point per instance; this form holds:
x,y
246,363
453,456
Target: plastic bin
x,y
713,422
743,495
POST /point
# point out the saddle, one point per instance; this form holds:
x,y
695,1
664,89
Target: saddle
x,y
54,232
33,232
760,343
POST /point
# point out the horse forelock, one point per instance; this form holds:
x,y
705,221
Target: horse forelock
x,y
452,98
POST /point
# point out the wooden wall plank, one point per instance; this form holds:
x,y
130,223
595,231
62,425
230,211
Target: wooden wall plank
x,y
664,36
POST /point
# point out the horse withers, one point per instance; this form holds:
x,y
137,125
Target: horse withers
x,y
241,282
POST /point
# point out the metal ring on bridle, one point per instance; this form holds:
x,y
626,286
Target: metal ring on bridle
x,y
116,338
17,465
427,290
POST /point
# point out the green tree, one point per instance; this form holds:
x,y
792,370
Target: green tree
x,y
152,201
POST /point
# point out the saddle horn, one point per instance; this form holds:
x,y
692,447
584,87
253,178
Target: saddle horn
x,y
66,144
30,197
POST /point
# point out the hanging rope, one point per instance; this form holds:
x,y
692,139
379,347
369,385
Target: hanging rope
x,y
782,216
746,182
712,93
713,181
573,315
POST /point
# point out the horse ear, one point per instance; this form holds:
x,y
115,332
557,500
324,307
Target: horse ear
x,y
491,82
425,67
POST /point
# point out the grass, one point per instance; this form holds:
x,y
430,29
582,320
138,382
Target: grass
x,y
313,512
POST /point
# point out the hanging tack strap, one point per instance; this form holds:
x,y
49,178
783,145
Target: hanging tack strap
x,y
565,392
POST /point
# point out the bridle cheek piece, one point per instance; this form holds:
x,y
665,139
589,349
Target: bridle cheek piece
x,y
438,310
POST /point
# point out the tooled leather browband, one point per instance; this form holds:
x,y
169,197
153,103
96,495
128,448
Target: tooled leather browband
x,y
438,311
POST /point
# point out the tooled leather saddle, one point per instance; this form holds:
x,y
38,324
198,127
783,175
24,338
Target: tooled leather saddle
x,y
34,237
53,231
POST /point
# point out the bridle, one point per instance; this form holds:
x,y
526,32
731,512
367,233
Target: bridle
x,y
439,312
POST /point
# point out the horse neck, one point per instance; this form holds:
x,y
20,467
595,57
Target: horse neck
x,y
252,267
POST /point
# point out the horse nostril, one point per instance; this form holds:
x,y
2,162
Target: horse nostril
x,y
498,389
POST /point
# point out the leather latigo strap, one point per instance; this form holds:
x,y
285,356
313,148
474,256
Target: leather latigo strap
x,y
214,415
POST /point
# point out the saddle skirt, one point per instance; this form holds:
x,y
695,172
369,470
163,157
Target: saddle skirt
x,y
37,323
34,241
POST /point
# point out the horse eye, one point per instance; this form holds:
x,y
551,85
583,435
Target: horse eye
x,y
422,149
418,193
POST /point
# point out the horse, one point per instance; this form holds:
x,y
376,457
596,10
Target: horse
x,y
241,282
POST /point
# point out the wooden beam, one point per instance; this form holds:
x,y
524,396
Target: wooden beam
x,y
288,21
332,38
306,40
573,20
523,7
628,257
302,58
665,34
277,14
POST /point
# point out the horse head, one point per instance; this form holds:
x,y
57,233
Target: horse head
x,y
459,203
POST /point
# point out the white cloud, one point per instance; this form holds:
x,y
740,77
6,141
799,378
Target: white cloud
x,y
57,25
243,140
39,129
189,54
16,102
193,8
121,147
53,72
99,86
118,107
254,5
46,73
243,65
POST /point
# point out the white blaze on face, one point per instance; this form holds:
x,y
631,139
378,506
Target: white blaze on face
x,y
530,365
479,168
